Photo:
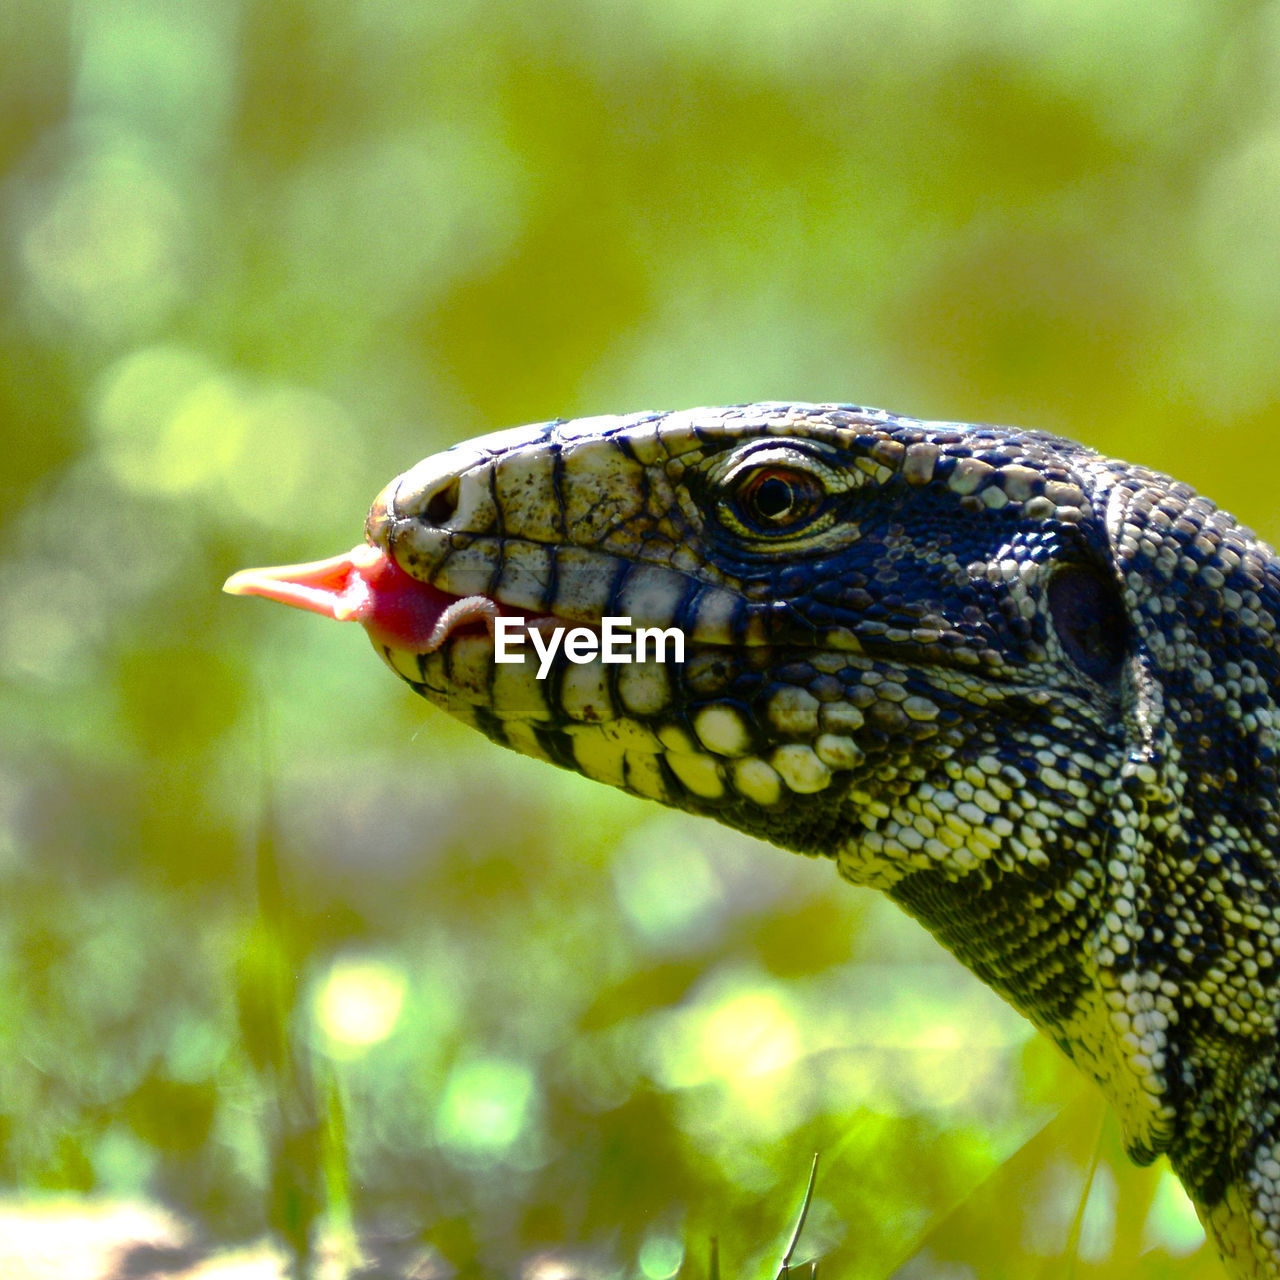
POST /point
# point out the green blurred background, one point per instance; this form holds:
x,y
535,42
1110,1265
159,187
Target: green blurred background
x,y
282,944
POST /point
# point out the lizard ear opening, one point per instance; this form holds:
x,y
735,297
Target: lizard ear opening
x,y
1088,617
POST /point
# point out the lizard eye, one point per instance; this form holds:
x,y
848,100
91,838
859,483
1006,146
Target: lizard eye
x,y
1089,620
777,498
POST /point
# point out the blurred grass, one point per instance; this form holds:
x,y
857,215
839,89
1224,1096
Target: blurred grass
x,y
258,258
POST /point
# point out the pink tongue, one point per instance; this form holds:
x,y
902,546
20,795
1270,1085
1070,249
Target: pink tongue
x,y
366,586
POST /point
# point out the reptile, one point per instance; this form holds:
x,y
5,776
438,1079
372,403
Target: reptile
x,y
1025,689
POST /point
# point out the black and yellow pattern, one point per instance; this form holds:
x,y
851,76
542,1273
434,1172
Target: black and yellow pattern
x,y
1025,689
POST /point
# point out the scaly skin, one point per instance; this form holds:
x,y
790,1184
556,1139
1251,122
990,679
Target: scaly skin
x,y
1026,690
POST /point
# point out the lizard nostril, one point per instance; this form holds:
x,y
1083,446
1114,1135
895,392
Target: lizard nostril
x,y
442,504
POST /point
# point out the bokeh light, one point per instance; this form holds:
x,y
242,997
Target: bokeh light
x,y
486,1108
359,1004
660,1257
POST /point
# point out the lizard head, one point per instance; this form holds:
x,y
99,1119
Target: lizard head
x,y
865,603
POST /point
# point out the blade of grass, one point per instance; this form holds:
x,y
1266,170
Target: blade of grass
x,y
784,1270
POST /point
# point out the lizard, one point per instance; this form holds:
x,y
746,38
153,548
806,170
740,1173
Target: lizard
x,y
1025,689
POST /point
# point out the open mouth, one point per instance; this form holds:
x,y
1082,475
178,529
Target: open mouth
x,y
365,585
